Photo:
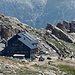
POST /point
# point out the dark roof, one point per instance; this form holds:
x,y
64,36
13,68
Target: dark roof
x,y
28,40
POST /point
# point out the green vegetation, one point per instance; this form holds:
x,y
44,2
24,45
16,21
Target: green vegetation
x,y
57,44
68,69
69,46
74,43
1,71
19,72
42,67
26,72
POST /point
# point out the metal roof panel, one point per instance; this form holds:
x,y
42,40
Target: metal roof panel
x,y
28,40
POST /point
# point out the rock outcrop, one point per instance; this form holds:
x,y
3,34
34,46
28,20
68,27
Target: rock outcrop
x,y
61,26
9,26
72,26
59,33
49,38
50,43
66,26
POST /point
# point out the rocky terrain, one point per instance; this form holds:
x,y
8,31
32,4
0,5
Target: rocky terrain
x,y
38,13
53,41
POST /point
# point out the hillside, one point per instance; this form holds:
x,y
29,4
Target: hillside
x,y
38,13
53,41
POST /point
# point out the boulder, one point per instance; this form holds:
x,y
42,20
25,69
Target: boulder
x,y
72,26
66,24
54,47
61,26
5,33
59,33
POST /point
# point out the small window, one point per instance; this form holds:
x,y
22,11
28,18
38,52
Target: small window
x,y
34,44
17,45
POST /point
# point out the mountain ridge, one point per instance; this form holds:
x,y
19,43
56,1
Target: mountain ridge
x,y
38,13
51,47
50,39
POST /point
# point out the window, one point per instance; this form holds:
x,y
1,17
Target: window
x,y
10,52
17,44
34,44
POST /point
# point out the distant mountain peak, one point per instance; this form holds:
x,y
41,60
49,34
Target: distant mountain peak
x,y
37,13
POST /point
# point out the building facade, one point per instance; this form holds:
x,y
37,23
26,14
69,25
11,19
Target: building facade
x,y
21,43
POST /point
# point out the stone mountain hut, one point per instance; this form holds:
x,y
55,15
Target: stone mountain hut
x,y
22,44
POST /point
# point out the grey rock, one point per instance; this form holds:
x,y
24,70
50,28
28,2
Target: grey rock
x,y
59,33
66,24
1,74
61,26
48,39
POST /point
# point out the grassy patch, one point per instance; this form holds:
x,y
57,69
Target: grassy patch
x,y
42,67
26,72
57,44
70,70
1,71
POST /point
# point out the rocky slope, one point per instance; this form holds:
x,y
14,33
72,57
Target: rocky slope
x,y
59,33
51,39
38,13
52,42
